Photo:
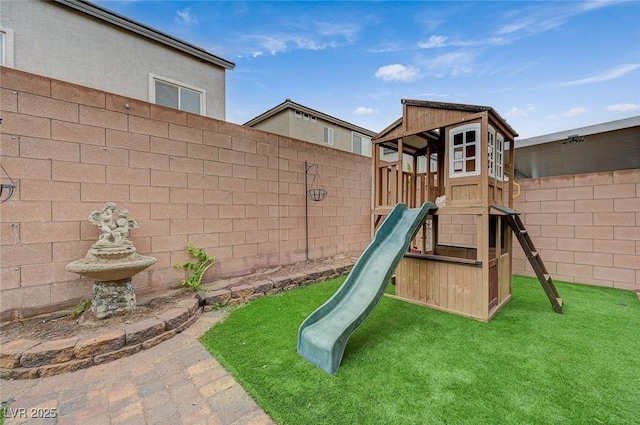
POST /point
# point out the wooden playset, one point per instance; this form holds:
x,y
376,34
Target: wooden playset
x,y
461,157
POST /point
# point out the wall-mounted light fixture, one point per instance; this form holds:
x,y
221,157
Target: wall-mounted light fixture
x,y
574,138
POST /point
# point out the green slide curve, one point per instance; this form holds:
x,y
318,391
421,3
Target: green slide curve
x,y
323,336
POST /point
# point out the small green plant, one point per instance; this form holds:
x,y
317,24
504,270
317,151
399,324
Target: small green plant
x,y
4,406
204,262
84,305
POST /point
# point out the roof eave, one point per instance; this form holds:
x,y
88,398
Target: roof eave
x,y
289,104
146,31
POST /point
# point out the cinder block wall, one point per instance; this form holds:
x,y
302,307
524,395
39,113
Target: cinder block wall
x,y
586,227
236,191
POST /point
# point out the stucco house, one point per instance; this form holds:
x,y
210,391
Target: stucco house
x,y
609,146
82,43
292,119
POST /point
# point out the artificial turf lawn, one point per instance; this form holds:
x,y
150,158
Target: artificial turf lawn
x,y
411,365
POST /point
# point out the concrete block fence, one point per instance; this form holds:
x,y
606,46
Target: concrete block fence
x,y
586,227
235,191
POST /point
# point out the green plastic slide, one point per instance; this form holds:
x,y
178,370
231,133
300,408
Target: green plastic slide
x,y
323,335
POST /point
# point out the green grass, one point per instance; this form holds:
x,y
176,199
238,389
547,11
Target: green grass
x,y
411,365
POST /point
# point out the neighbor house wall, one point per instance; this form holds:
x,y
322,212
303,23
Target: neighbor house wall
x,y
586,227
59,42
236,191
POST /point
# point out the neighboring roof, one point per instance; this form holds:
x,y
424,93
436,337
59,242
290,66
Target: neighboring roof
x,y
145,31
609,146
581,131
289,104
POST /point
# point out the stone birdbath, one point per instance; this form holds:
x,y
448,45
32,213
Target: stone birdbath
x,y
111,262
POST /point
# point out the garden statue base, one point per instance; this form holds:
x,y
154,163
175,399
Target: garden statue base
x,y
111,262
113,298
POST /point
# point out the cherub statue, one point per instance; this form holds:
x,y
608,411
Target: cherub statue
x,y
104,220
114,232
123,225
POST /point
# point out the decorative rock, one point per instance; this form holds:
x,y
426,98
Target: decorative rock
x,y
11,351
241,291
191,304
313,274
255,296
281,282
114,355
190,321
19,373
262,286
174,317
290,287
219,297
49,352
158,339
235,301
273,291
71,366
143,330
89,347
298,278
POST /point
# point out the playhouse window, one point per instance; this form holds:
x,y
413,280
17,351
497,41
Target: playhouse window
x,y
499,167
464,157
491,151
496,154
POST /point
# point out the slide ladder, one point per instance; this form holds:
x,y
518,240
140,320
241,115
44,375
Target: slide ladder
x,y
513,219
323,336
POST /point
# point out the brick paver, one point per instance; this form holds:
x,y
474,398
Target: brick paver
x,y
175,382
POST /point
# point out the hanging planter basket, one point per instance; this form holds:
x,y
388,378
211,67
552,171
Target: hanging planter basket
x,y
6,189
315,191
316,194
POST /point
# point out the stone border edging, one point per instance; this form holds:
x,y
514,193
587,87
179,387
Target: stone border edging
x,y
30,359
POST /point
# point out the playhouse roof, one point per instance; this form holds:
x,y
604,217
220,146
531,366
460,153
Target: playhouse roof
x,y
421,125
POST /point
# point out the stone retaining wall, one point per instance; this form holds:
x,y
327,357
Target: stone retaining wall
x,y
28,359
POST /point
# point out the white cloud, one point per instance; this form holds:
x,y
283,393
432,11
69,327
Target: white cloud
x,y
433,42
397,72
363,110
454,63
622,107
516,112
571,112
609,74
186,17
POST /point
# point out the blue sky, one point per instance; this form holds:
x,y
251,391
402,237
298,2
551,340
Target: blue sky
x,y
544,66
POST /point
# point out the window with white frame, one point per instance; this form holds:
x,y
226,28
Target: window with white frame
x,y
328,135
6,47
464,151
499,156
491,154
174,94
360,144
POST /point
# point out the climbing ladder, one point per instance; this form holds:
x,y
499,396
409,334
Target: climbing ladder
x,y
513,218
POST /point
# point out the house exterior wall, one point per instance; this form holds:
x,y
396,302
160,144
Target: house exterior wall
x,y
238,192
286,123
61,43
586,227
